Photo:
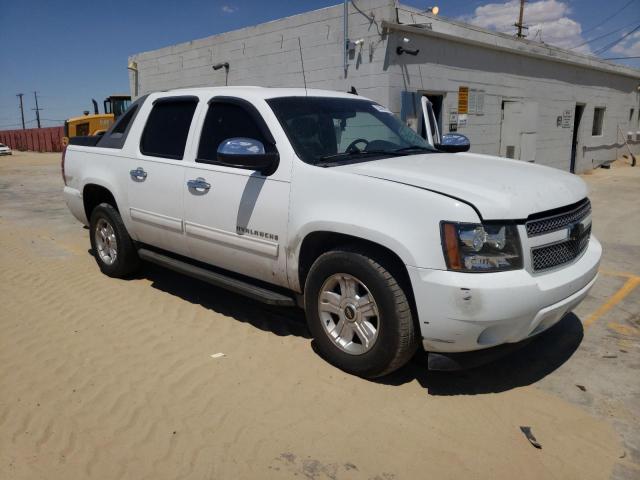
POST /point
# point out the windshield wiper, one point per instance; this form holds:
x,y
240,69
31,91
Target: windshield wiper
x,y
414,147
354,153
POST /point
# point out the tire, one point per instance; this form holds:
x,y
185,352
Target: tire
x,y
390,315
116,254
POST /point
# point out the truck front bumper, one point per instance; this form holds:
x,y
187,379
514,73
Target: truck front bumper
x,y
463,312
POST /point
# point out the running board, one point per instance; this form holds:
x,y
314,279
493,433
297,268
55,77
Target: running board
x,y
235,285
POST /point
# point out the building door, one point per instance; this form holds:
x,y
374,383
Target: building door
x,y
577,116
437,101
518,131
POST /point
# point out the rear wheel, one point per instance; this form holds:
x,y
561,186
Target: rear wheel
x,y
113,249
358,314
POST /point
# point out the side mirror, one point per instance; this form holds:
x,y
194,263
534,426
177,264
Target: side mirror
x,y
454,143
247,153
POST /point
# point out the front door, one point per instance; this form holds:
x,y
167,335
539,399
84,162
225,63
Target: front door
x,y
235,219
156,175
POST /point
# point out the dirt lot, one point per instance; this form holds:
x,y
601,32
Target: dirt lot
x,y
108,379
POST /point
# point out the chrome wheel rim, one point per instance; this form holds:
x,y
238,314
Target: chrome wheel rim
x,y
348,313
106,242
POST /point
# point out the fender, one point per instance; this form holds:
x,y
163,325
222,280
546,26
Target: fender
x,y
363,233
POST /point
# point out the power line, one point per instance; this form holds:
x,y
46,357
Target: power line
x,y
609,17
614,43
619,58
605,35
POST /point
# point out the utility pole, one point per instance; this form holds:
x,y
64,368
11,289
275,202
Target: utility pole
x,y
520,25
35,94
19,95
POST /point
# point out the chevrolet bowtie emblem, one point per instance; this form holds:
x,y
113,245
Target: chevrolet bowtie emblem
x,y
576,230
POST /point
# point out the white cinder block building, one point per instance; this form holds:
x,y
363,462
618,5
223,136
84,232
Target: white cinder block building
x,y
511,97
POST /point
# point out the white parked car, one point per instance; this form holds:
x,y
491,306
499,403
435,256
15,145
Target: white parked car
x,y
389,241
5,150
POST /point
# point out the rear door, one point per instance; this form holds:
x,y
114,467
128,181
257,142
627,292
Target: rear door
x,y
156,175
237,219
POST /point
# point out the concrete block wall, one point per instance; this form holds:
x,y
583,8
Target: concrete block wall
x,y
270,54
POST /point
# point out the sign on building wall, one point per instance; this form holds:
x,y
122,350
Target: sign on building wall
x,y
566,119
480,102
453,121
470,101
463,100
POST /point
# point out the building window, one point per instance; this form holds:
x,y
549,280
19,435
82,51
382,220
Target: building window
x,y
598,121
631,116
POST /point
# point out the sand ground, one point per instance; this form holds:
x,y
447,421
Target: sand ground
x,y
113,379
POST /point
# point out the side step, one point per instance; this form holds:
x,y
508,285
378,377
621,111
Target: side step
x,y
219,280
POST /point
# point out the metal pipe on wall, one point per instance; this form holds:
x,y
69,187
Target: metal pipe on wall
x,y
346,36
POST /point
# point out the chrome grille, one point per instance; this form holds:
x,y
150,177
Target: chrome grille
x,y
557,254
575,222
558,221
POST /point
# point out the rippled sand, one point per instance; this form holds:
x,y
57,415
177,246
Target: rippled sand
x,y
109,379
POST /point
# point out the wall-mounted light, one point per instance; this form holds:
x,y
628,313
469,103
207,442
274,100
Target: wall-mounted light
x,y
220,65
352,45
433,10
400,50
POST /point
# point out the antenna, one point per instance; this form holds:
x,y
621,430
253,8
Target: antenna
x,y
304,78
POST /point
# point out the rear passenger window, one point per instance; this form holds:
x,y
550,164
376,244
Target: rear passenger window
x,y
124,121
224,121
167,128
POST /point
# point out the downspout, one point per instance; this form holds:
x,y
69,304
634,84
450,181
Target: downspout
x,y
133,66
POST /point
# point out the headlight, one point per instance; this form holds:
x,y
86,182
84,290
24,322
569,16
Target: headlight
x,y
472,247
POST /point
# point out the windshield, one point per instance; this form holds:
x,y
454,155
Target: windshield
x,y
334,131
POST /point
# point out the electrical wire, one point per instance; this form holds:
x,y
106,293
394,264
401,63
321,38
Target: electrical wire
x,y
605,35
609,17
616,42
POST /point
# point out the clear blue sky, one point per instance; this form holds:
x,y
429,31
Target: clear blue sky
x,y
72,51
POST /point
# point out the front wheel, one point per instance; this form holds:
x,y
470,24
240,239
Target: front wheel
x,y
113,249
358,314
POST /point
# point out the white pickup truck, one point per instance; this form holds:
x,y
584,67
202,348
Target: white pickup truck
x,y
389,240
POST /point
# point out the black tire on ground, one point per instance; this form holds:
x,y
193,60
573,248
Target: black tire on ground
x,y
396,342
126,261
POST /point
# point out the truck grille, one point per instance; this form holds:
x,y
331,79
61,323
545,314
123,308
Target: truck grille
x,y
555,254
558,221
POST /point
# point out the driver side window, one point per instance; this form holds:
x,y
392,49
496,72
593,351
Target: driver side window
x,y
224,121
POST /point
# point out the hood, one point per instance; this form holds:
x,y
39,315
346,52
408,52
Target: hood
x,y
499,188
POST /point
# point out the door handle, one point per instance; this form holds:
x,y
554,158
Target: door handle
x,y
138,174
199,184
